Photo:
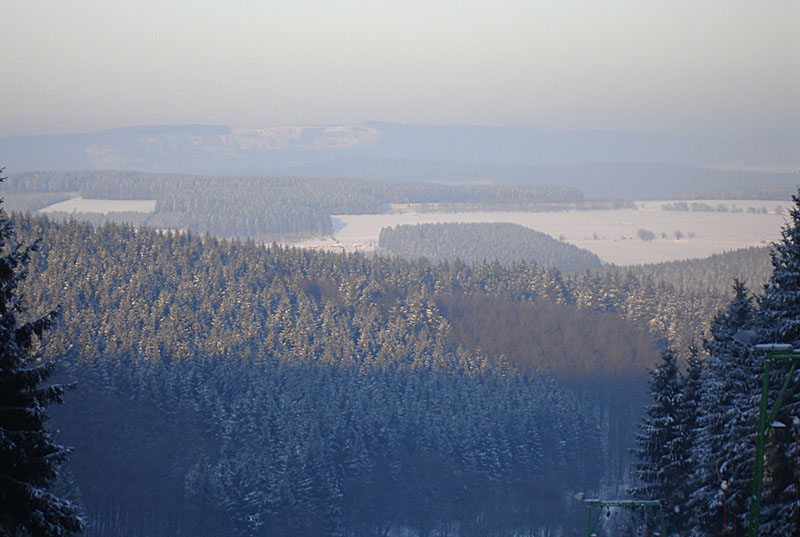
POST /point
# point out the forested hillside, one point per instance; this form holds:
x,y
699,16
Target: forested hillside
x,y
263,208
474,243
230,385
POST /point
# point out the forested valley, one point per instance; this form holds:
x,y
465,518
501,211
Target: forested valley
x,y
262,390
400,269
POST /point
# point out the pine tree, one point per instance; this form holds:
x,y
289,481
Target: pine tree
x,y
780,313
28,456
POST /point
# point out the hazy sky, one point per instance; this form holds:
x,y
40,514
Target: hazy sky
x,y
678,66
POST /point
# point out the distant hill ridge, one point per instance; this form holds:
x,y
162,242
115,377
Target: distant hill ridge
x,y
601,164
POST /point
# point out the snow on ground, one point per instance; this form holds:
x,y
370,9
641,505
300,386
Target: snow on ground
x,y
611,234
82,205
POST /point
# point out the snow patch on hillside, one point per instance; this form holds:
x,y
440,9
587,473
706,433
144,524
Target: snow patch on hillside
x,y
305,137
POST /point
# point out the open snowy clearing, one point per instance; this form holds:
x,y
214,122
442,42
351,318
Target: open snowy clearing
x,y
81,205
611,234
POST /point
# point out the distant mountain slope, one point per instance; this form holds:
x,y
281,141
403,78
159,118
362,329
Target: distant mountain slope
x,y
474,243
418,152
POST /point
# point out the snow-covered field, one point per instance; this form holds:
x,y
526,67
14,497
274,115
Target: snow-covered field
x,y
82,205
611,234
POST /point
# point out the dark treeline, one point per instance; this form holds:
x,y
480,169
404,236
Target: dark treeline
x,y
476,242
264,208
782,193
510,205
702,207
224,384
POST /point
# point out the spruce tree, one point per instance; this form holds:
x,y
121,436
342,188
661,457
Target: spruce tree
x,y
661,449
689,413
722,457
780,314
29,458
780,302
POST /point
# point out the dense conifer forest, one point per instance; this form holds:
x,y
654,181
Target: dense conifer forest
x,y
474,243
226,384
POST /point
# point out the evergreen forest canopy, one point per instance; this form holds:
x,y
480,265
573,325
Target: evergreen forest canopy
x,y
262,208
231,387
477,242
